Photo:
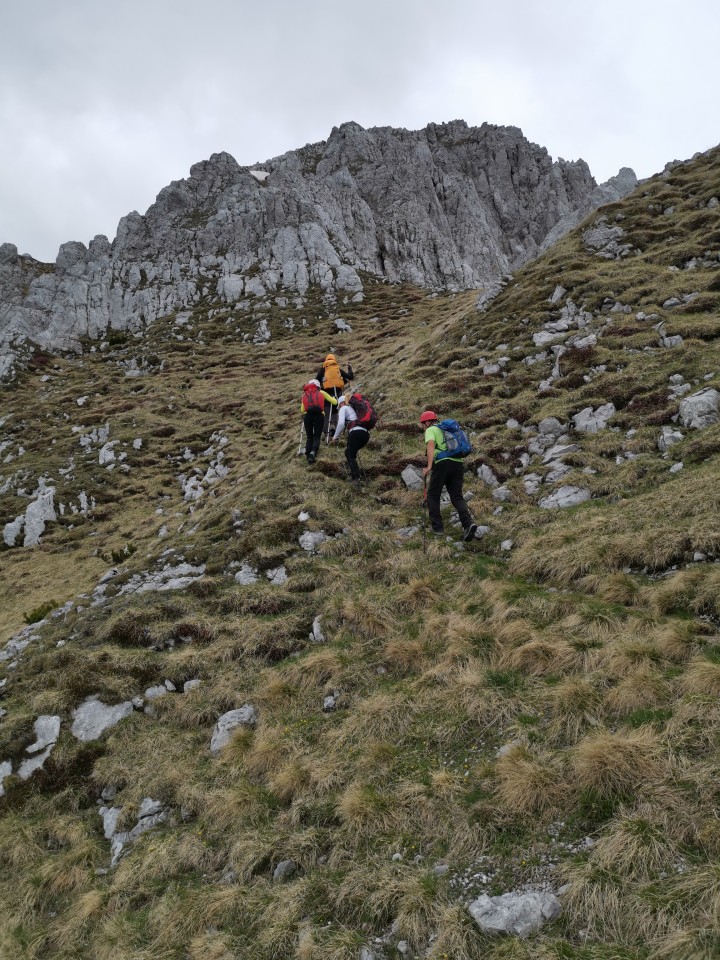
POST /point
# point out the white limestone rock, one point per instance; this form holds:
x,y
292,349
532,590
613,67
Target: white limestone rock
x,y
5,772
278,576
169,578
310,541
28,767
93,717
47,730
669,437
246,575
245,716
700,409
488,477
317,635
565,497
562,448
39,512
107,453
13,529
551,427
514,913
110,817
412,477
593,421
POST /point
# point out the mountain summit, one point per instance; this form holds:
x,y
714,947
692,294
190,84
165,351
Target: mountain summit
x,y
450,206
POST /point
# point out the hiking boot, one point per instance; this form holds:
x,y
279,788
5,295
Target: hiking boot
x,y
355,483
437,533
311,458
470,532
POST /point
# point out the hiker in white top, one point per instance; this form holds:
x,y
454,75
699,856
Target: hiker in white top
x,y
357,437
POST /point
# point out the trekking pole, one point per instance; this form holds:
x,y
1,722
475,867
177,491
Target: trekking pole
x,y
424,515
302,426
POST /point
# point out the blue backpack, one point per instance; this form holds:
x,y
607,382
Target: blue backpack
x,y
455,439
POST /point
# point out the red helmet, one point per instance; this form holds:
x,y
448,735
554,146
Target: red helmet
x,y
427,416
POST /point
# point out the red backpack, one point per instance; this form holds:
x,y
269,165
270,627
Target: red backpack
x,y
312,401
366,415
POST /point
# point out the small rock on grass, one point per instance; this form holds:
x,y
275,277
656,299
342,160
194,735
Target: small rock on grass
x,y
284,870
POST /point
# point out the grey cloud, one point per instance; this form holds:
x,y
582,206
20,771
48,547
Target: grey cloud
x,y
102,105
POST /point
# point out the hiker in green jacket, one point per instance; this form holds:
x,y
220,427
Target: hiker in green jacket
x,y
446,472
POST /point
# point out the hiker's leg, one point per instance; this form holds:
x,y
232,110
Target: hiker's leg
x,y
357,439
454,484
434,489
316,431
308,421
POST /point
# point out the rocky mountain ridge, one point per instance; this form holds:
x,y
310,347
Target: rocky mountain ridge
x,y
450,206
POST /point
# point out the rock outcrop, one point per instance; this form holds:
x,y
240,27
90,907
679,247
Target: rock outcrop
x,y
448,206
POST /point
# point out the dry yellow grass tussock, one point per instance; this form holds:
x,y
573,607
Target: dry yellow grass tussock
x,y
695,943
637,846
598,901
643,687
617,764
702,677
366,809
529,785
541,657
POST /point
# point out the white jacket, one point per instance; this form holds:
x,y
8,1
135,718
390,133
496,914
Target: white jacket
x,y
346,416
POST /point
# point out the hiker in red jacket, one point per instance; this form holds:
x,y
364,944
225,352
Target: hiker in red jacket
x,y
312,407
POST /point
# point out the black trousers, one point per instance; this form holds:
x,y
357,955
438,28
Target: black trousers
x,y
449,474
357,439
313,431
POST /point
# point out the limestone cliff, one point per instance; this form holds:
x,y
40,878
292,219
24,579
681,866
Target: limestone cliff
x,y
449,206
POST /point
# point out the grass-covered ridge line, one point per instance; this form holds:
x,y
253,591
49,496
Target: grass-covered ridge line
x,y
580,652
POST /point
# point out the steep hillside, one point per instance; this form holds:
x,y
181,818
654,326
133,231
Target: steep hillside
x,y
449,206
418,729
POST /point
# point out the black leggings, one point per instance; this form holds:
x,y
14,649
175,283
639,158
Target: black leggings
x,y
313,430
357,439
447,473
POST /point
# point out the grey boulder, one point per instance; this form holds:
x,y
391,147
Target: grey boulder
x,y
593,421
412,477
700,409
514,913
488,477
245,716
565,497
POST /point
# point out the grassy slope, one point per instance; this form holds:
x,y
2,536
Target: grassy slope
x,y
583,648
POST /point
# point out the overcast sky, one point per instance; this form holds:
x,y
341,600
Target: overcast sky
x,y
103,104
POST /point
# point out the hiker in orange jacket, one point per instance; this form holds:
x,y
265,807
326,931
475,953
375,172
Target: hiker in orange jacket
x,y
333,380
